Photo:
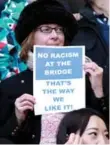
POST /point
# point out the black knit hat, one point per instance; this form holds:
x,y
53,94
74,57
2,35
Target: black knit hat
x,y
43,12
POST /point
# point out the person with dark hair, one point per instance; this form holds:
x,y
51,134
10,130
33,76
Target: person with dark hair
x,y
94,34
83,126
43,22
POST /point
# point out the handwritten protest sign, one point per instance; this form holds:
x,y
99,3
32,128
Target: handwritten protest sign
x,y
59,80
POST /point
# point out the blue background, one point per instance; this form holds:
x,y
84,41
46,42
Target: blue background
x,y
76,64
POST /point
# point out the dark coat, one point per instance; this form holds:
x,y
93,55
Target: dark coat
x,y
30,131
2,5
73,5
89,34
10,89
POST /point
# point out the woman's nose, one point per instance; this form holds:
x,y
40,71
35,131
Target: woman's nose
x,y
54,33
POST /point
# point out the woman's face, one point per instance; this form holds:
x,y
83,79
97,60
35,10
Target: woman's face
x,y
101,6
49,34
102,3
95,132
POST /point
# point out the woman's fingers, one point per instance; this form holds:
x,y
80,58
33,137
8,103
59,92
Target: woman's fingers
x,y
22,105
91,65
91,72
74,139
77,139
25,103
93,69
26,97
87,59
96,78
71,139
24,108
77,16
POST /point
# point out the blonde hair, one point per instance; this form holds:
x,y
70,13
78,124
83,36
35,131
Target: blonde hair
x,y
27,45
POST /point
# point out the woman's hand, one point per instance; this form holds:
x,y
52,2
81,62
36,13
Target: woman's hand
x,y
74,139
77,16
22,105
95,74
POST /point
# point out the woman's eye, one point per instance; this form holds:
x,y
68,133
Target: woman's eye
x,y
46,29
93,133
59,29
107,135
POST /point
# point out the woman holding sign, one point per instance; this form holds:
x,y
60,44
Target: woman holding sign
x,y
43,22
